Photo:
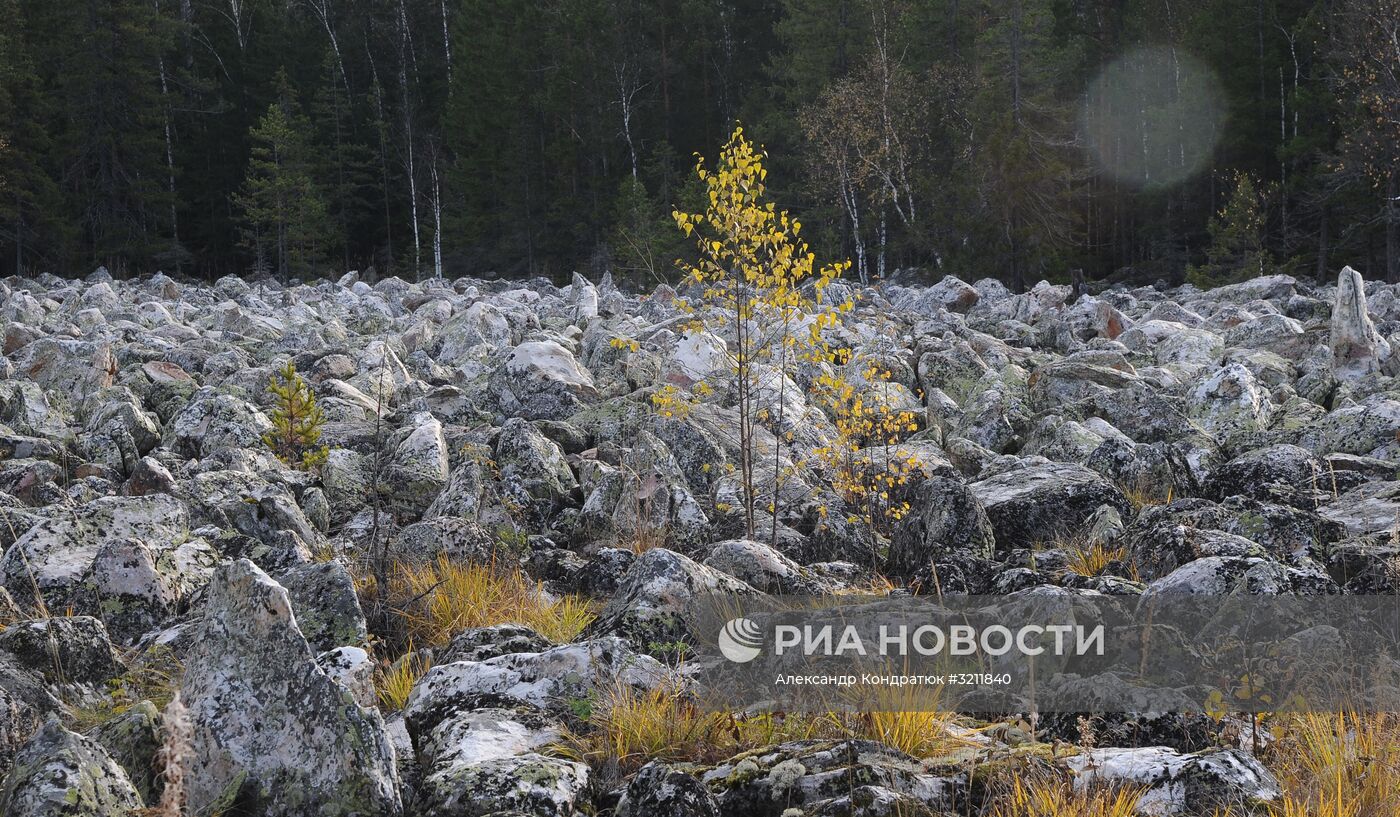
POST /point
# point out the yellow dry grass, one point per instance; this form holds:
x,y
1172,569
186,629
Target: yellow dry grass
x,y
1044,796
394,682
1338,765
1094,559
434,601
625,728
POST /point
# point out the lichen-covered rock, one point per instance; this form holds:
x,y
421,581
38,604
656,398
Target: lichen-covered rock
x,y
1367,428
66,368
212,421
1040,502
1370,508
261,709
659,790
1221,575
551,678
656,597
418,470
542,380
1276,471
326,606
1358,350
133,739
250,505
1180,784
853,778
1231,400
67,649
534,474
763,568
482,643
945,517
25,702
62,774
528,785
57,555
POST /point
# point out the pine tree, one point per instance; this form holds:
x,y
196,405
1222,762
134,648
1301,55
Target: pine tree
x,y
645,243
103,57
347,164
287,225
1237,250
296,420
32,224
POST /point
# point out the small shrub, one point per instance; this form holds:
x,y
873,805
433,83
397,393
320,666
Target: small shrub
x,y
296,421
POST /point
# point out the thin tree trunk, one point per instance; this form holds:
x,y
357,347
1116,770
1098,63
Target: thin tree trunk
x,y
1322,246
169,157
408,140
1392,229
437,216
446,46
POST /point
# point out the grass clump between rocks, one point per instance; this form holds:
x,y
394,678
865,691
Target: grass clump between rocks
x,y
1048,796
154,677
394,682
429,603
1338,764
624,728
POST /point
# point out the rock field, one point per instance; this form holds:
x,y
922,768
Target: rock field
x,y
1238,440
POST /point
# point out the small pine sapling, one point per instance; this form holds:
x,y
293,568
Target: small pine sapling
x,y
296,421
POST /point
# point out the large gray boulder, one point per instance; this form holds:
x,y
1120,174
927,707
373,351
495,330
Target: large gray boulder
x,y
63,774
25,703
1040,502
418,470
1176,783
945,517
656,598
111,552
853,777
541,380
268,721
659,790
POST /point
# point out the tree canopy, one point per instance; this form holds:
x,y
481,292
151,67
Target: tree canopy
x,y
1014,138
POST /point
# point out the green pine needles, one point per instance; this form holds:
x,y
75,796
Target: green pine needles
x,y
296,421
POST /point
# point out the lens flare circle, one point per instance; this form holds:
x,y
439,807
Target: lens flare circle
x,y
1153,117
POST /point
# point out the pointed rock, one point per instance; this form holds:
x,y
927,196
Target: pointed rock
x,y
1358,349
261,709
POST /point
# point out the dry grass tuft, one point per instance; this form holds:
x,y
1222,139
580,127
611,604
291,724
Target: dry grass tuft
x,y
155,676
395,682
906,718
430,603
1096,558
1338,765
1045,796
625,728
1142,495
